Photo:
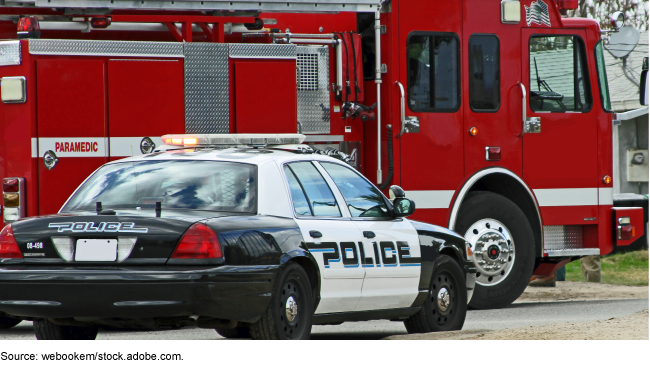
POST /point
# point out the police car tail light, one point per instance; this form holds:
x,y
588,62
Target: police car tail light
x,y
13,199
199,242
232,139
8,245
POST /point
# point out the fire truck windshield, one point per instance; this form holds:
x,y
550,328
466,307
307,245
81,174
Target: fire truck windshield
x,y
197,185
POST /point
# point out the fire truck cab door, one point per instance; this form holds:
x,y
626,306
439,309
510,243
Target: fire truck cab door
x,y
430,166
560,134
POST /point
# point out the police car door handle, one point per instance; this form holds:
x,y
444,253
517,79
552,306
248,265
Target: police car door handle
x,y
315,234
369,234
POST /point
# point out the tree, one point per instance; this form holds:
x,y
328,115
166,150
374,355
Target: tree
x,y
636,12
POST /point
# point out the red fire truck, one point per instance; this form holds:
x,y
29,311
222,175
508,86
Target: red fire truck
x,y
489,113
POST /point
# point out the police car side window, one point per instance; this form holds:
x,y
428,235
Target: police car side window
x,y
300,203
320,199
361,197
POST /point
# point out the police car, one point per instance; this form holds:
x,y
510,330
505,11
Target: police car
x,y
252,235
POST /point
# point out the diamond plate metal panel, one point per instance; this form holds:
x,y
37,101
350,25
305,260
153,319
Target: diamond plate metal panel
x,y
207,97
283,51
104,48
10,53
562,238
313,89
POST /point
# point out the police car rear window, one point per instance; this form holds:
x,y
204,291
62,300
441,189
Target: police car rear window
x,y
198,185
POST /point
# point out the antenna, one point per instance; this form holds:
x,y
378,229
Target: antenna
x,y
623,42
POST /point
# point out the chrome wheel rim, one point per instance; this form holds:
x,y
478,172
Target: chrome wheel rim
x,y
444,299
493,250
291,309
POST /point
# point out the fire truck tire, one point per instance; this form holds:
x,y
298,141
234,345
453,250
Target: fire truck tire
x,y
289,314
237,332
6,322
504,248
46,330
446,305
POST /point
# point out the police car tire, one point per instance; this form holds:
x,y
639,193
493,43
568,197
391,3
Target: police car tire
x,y
292,281
46,330
6,322
447,274
237,332
482,205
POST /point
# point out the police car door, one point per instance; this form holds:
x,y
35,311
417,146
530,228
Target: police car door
x,y
390,252
330,236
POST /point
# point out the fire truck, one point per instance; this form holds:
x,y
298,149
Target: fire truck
x,y
489,113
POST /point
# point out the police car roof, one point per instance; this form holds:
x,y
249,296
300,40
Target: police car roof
x,y
248,155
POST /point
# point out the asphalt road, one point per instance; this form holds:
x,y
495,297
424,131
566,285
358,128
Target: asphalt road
x,y
513,316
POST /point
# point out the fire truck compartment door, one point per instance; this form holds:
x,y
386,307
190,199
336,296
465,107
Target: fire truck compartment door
x,y
71,123
266,96
145,99
560,160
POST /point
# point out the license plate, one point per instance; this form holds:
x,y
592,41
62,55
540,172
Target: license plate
x,y
96,250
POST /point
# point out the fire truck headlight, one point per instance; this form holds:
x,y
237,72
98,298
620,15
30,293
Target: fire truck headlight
x,y
10,215
147,145
50,160
13,89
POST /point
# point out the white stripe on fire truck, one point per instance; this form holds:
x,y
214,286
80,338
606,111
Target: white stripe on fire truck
x,y
70,147
129,146
89,146
566,197
605,196
431,199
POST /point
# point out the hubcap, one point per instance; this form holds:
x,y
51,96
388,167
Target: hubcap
x,y
291,309
493,250
443,299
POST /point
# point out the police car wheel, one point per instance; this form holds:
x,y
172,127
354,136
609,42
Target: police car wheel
x,y
237,332
503,248
289,314
446,304
46,330
6,322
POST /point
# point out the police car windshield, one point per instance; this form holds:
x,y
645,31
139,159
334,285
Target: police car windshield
x,y
199,185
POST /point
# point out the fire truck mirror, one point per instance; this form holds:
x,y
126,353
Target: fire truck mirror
x,y
618,20
50,160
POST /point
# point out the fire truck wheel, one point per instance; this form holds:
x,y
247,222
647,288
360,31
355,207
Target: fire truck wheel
x,y
502,245
237,332
289,314
446,304
6,322
46,330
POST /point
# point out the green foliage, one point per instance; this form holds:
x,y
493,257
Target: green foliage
x,y
629,268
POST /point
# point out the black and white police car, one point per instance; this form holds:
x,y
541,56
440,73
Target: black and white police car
x,y
259,242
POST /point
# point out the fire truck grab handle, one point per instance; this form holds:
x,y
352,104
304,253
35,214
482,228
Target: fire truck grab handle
x,y
402,106
523,108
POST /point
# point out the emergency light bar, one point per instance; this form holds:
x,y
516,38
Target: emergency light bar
x,y
189,140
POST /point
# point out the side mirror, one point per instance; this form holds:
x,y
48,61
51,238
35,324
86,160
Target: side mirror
x,y
617,20
403,207
396,192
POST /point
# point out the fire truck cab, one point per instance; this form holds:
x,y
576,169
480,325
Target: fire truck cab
x,y
489,113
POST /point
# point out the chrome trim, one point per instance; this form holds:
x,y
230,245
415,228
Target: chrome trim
x,y
10,54
576,252
146,302
29,302
323,138
23,82
71,47
472,180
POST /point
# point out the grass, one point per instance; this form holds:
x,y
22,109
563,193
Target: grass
x,y
630,268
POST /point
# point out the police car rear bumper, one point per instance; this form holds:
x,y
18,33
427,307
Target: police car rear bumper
x,y
226,292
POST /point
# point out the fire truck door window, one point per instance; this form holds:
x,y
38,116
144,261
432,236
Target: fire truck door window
x,y
433,72
602,78
484,73
320,199
559,81
361,197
